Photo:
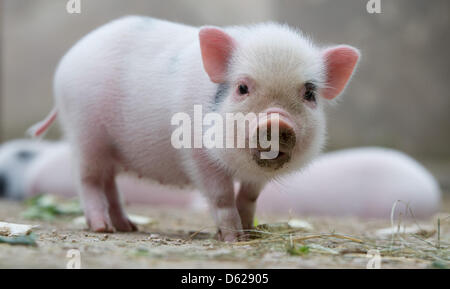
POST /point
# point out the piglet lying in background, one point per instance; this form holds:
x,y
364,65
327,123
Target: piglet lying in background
x,y
361,182
19,157
117,89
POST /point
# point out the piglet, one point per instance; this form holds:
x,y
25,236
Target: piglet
x,y
362,182
117,89
16,159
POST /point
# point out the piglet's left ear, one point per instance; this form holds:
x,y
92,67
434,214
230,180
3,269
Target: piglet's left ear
x,y
216,47
340,63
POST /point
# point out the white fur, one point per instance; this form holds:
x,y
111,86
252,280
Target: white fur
x,y
280,60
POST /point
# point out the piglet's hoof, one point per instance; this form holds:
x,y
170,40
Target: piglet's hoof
x,y
110,224
100,225
124,225
228,236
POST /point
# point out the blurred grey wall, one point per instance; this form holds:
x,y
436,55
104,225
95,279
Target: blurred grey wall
x,y
398,98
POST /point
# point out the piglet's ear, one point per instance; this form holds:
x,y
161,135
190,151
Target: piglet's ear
x,y
216,48
340,63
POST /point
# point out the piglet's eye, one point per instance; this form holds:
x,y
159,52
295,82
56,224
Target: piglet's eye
x,y
243,89
309,92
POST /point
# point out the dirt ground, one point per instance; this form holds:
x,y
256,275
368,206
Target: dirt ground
x,y
185,239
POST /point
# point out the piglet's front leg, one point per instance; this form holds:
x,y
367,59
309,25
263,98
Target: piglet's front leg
x,y
246,203
218,188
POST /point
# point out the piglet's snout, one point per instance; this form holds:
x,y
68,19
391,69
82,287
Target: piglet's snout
x,y
286,141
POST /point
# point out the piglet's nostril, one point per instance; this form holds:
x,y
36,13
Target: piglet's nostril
x,y
286,141
287,138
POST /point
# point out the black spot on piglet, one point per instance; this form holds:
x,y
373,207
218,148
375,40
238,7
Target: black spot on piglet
x,y
24,155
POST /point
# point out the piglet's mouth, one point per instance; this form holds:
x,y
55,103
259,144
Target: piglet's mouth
x,y
273,163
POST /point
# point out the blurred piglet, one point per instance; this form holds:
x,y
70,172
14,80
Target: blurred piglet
x,y
30,167
118,89
361,182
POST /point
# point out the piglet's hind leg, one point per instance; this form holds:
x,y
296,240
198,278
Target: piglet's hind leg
x,y
96,207
116,212
101,199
